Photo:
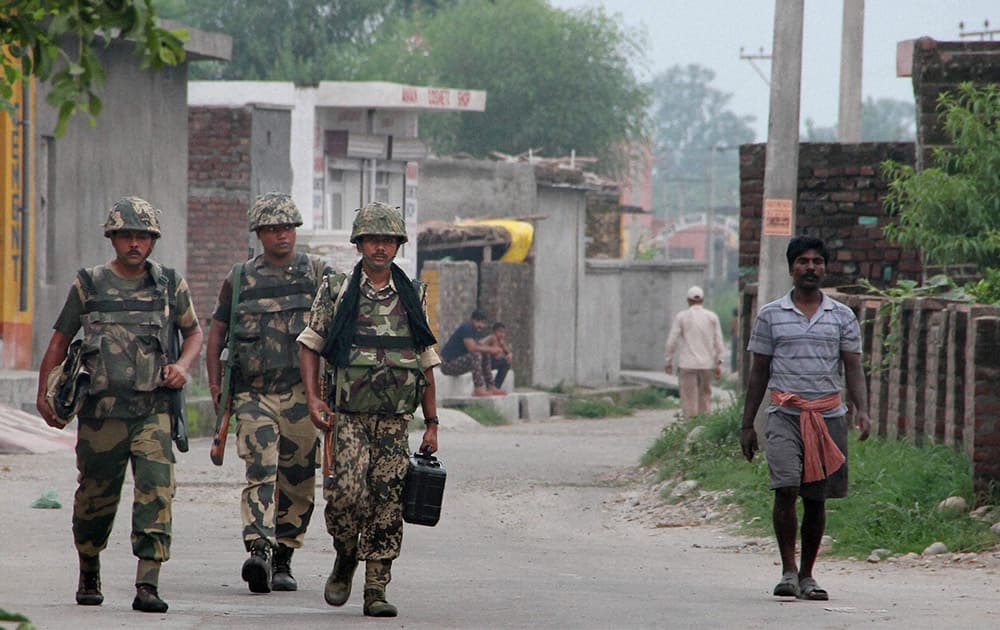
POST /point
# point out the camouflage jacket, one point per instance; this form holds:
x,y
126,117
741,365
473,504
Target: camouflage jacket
x,y
125,327
384,372
273,309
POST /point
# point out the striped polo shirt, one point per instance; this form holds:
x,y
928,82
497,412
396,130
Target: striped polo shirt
x,y
805,353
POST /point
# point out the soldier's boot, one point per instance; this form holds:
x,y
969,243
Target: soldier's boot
x,y
88,591
281,578
338,585
147,599
377,576
257,568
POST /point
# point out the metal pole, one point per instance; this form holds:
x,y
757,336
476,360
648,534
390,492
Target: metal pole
x,y
710,223
852,41
782,156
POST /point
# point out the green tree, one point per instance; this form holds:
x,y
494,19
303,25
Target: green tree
x,y
556,81
882,120
54,40
693,126
951,211
293,40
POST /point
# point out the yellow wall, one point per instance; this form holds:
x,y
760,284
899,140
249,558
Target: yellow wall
x,y
16,230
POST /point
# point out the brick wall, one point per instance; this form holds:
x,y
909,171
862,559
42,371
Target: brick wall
x,y
506,295
455,287
938,67
840,201
940,386
603,230
218,198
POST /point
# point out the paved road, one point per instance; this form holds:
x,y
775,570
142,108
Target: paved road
x,y
535,534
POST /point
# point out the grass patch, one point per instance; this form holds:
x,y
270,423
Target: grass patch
x,y
653,398
894,487
599,408
484,415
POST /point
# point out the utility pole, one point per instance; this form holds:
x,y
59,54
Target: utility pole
x,y
852,39
710,224
782,156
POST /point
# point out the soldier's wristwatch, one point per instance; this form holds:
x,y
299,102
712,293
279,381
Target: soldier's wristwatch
x,y
431,420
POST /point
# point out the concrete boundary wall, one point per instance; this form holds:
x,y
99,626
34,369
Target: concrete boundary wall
x,y
651,294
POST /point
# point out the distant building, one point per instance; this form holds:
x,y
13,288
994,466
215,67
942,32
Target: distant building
x,y
334,146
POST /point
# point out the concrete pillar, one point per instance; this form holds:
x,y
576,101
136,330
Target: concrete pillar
x,y
852,40
782,157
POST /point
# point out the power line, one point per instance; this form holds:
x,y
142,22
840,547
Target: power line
x,y
752,57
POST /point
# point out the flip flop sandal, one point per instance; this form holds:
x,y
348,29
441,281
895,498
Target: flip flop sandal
x,y
809,589
788,586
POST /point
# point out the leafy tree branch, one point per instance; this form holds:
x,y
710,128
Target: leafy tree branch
x,y
54,41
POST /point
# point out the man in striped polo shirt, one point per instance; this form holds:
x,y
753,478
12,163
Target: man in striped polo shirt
x,y
799,343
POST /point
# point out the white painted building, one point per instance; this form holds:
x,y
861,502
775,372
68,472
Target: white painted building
x,y
351,143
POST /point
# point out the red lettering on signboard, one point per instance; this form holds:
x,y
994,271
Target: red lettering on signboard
x,y
463,98
439,97
349,115
409,95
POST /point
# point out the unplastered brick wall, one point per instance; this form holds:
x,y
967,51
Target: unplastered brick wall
x,y
506,293
939,67
840,197
938,385
452,295
218,198
604,216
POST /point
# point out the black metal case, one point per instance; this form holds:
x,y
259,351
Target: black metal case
x,y
423,490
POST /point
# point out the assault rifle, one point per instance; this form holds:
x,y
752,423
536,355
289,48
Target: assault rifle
x,y
178,411
223,415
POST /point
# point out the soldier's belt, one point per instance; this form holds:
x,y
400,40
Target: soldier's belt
x,y
119,306
383,342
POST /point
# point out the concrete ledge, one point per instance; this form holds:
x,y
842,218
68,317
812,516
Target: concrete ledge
x,y
452,387
533,405
18,389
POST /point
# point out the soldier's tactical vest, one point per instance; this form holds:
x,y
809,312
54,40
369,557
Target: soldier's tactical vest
x,y
270,315
125,332
383,374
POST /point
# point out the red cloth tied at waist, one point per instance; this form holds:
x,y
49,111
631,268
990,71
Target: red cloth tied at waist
x,y
821,457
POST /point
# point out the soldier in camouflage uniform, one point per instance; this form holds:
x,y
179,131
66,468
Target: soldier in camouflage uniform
x,y
274,436
371,327
125,308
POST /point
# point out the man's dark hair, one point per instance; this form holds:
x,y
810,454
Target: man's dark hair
x,y
478,315
800,244
499,326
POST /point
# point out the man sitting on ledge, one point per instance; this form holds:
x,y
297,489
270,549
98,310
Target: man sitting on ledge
x,y
465,353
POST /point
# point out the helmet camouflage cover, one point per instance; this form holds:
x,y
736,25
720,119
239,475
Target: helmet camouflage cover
x,y
273,208
379,219
132,213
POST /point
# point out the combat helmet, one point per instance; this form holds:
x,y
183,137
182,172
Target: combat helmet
x,y
132,213
273,208
379,219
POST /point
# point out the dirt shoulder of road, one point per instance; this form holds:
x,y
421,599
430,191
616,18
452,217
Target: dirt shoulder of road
x,y
641,503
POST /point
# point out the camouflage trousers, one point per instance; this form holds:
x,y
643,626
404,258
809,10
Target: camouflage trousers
x,y
479,363
104,449
279,445
364,493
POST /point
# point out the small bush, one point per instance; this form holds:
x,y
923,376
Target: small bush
x,y
653,398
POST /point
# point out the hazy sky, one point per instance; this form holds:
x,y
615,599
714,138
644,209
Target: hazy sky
x,y
711,32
